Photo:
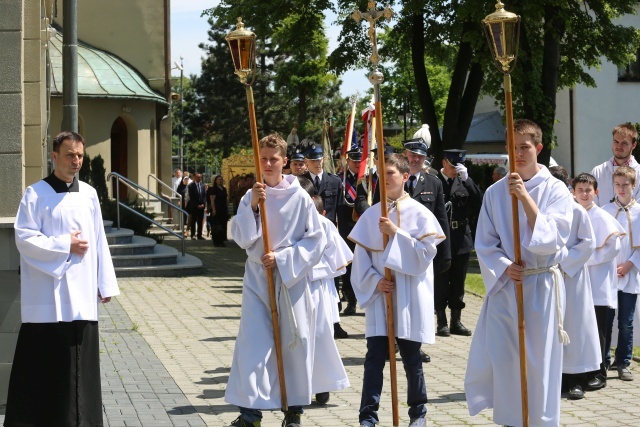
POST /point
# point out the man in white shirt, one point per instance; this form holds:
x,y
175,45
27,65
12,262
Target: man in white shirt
x,y
66,269
625,139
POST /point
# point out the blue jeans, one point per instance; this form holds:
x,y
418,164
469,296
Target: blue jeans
x,y
377,351
251,415
626,311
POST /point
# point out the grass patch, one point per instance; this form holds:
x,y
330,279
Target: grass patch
x,y
475,284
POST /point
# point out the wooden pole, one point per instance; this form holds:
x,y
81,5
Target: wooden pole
x,y
372,138
265,240
517,253
387,273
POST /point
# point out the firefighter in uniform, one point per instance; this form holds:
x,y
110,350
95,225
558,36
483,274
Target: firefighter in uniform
x,y
461,195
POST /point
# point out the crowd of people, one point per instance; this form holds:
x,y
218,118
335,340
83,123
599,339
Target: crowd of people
x,y
579,270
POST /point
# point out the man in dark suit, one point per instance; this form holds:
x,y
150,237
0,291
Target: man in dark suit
x,y
197,203
347,220
461,195
329,188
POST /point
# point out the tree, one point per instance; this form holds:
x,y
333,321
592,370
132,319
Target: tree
x,y
559,40
294,84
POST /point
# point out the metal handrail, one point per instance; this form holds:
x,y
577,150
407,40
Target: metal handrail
x,y
159,181
121,179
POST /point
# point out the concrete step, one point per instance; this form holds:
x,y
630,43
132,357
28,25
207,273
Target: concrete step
x,y
139,246
152,206
162,255
186,265
122,236
108,225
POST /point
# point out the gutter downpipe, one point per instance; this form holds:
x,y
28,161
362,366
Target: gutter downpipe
x,y
572,132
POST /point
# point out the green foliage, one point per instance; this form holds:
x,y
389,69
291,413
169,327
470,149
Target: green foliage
x,y
85,169
129,220
293,83
98,176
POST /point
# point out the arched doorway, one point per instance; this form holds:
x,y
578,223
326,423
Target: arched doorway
x,y
119,147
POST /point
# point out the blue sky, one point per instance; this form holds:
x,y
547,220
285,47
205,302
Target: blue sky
x,y
188,29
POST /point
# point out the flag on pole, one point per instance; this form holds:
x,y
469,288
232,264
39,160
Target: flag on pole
x,y
327,164
367,138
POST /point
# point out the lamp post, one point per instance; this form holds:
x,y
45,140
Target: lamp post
x,y
376,78
502,29
242,44
181,131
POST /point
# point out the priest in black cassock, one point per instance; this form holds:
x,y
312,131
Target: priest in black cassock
x,y
66,269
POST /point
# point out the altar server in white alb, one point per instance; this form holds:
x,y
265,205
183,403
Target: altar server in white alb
x,y
65,269
582,355
602,267
328,370
297,242
545,212
627,211
413,233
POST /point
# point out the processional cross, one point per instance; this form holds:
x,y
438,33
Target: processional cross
x,y
371,16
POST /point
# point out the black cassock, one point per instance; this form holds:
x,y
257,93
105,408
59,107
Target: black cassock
x,y
55,378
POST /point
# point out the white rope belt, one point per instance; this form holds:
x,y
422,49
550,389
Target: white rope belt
x,y
291,316
557,276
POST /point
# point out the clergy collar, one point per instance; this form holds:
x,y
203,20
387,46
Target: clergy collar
x,y
588,208
59,186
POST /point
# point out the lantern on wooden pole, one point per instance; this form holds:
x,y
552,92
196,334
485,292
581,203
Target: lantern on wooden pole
x,y
502,29
242,44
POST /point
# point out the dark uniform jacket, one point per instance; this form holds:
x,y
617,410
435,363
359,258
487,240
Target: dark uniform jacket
x,y
428,191
345,210
465,196
330,188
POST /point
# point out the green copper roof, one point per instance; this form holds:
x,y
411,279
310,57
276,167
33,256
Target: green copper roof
x,y
100,75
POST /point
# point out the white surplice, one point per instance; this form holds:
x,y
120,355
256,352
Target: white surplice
x,y
629,219
602,264
297,239
583,353
493,368
408,255
58,286
328,371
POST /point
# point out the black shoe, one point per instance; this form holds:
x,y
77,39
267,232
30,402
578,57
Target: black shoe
x,y
201,238
240,422
350,310
442,330
291,420
425,357
596,383
576,393
338,332
456,327
322,398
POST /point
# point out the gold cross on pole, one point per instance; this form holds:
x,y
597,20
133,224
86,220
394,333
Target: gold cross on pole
x,y
372,15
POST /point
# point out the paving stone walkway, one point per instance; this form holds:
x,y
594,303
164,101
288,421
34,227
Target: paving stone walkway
x,y
191,323
167,346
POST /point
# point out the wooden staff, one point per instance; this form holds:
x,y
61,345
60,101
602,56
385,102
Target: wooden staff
x,y
385,239
373,143
265,241
511,149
